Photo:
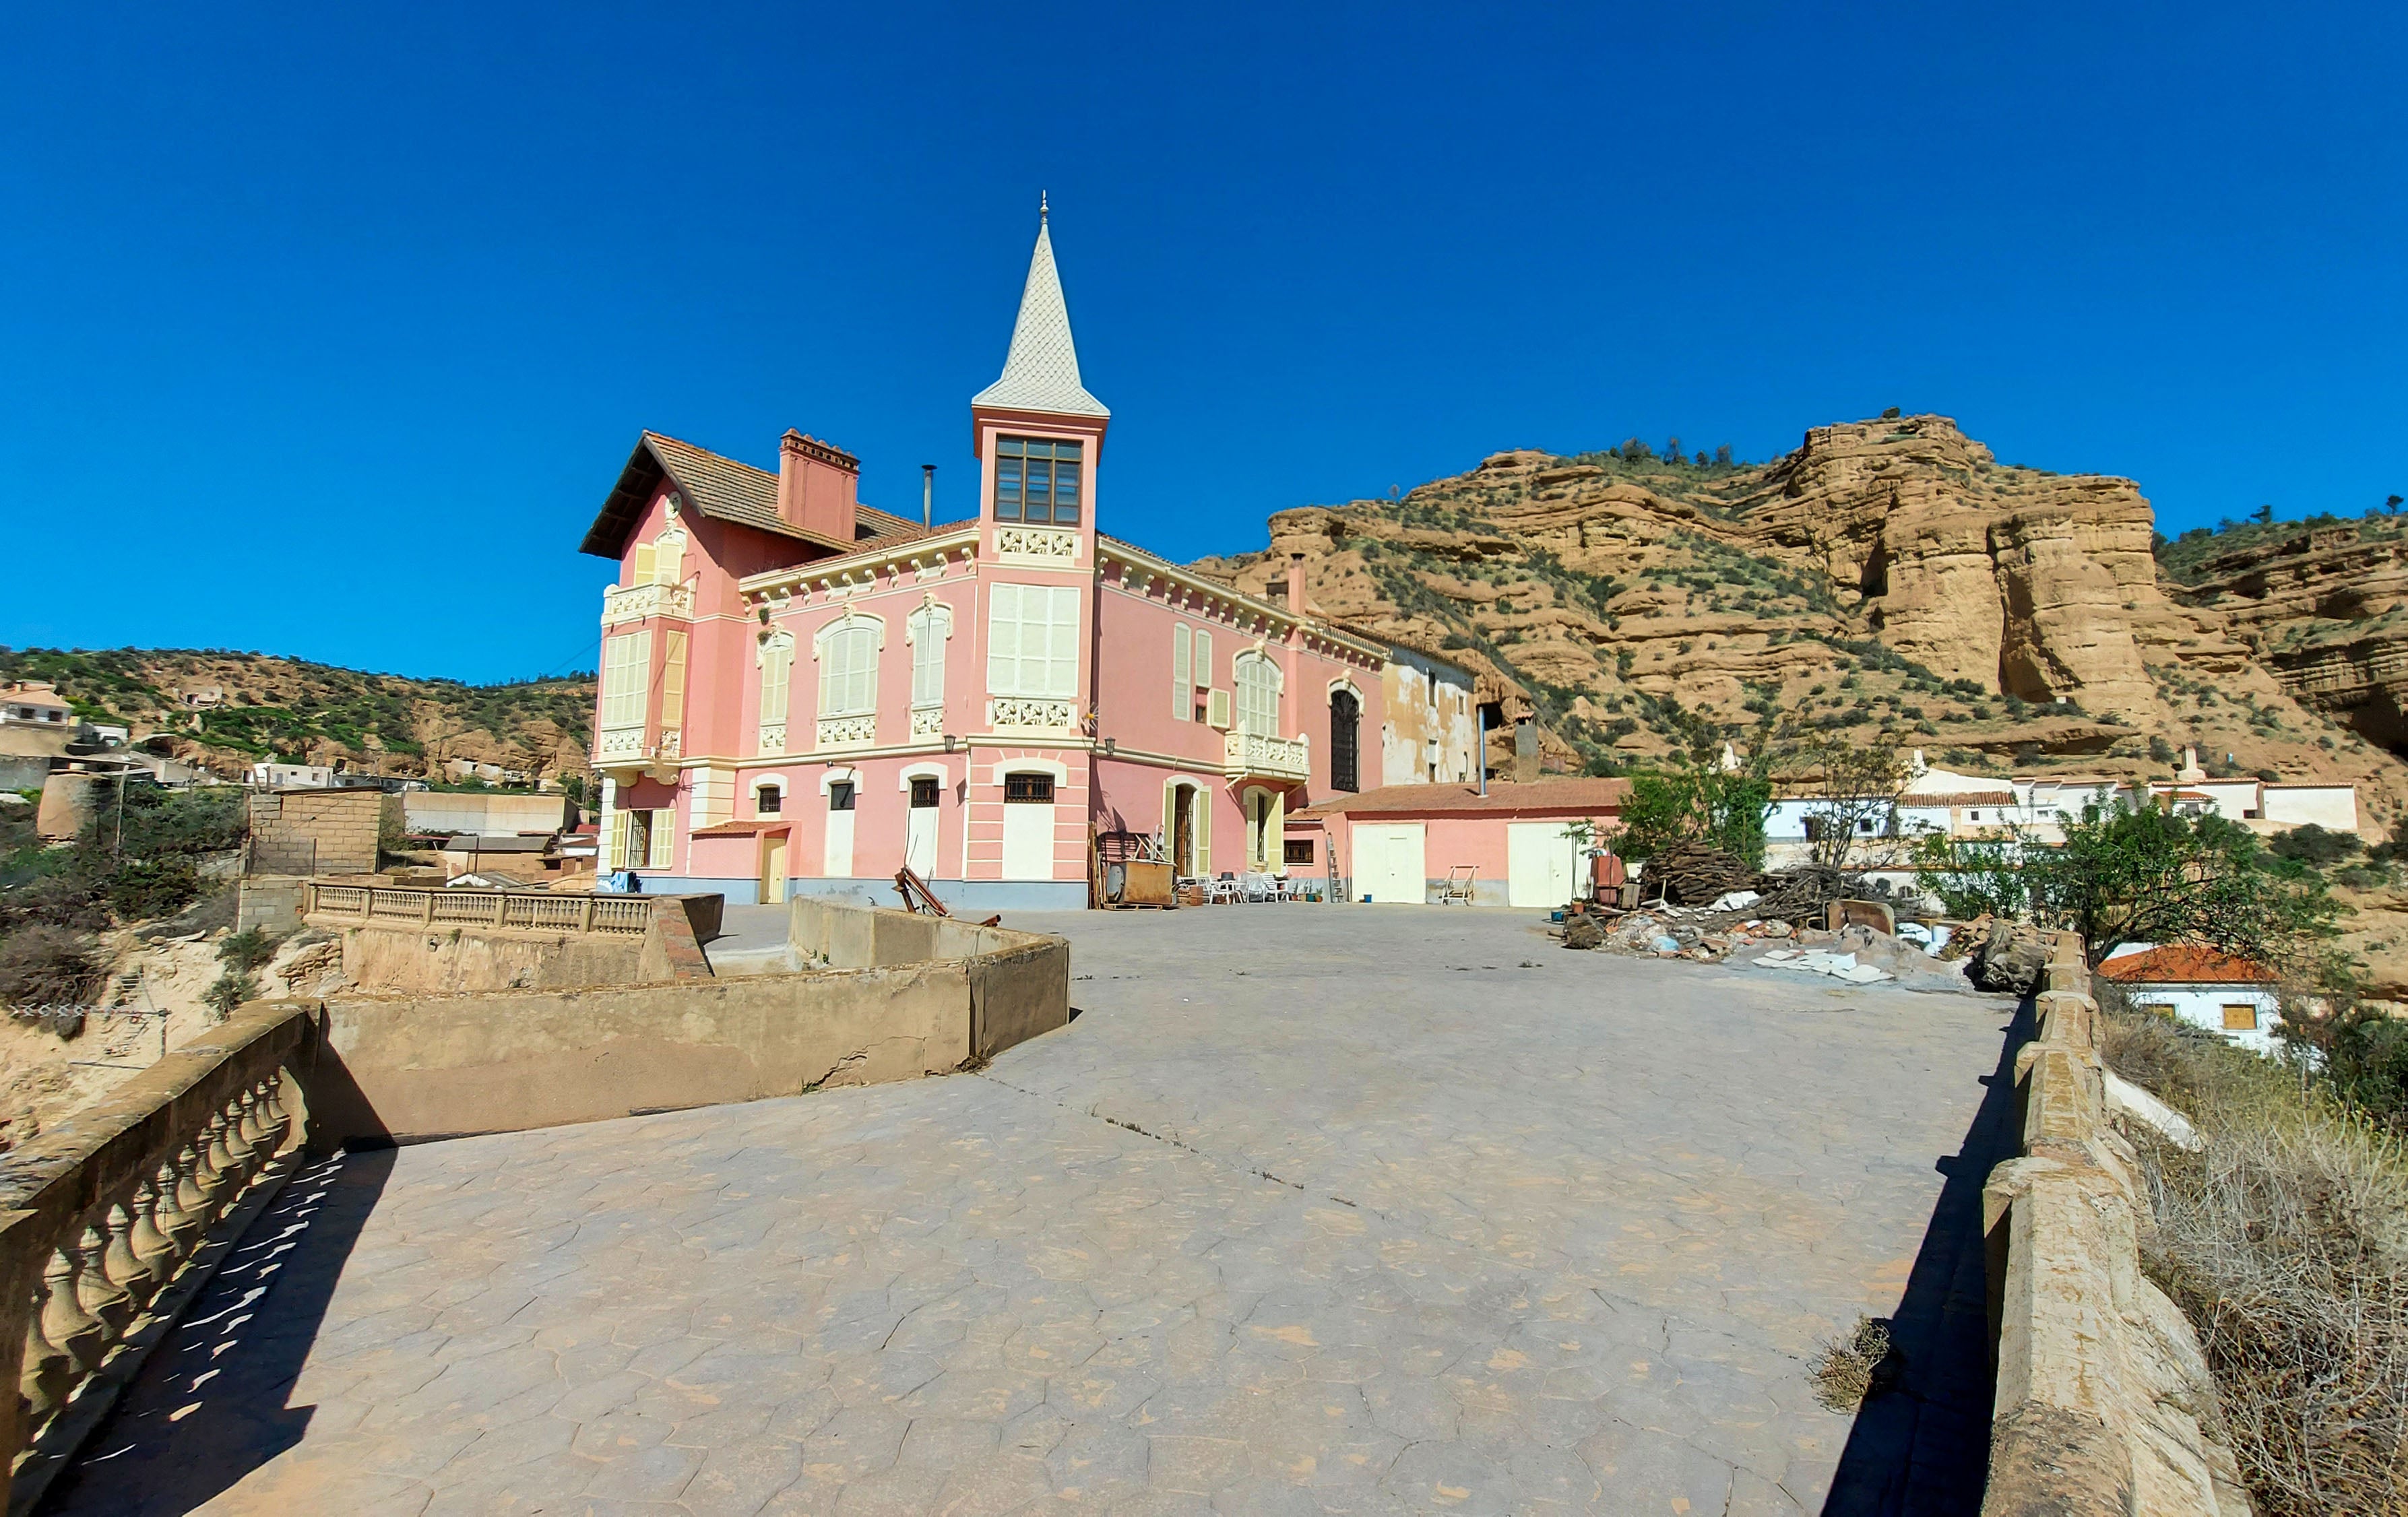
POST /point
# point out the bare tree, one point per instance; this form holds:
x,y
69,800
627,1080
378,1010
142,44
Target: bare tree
x,y
1856,788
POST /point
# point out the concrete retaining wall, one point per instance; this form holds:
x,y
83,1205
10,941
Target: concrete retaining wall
x,y
918,996
2105,1407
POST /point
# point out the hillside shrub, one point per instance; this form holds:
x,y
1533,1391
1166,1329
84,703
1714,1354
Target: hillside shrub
x,y
2281,1240
45,965
2311,844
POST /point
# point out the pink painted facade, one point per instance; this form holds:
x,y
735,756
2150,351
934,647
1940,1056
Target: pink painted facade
x,y
802,693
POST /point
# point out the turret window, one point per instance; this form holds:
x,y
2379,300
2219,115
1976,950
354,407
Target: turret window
x,y
1037,481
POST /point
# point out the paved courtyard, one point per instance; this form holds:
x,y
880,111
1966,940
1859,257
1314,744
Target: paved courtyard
x,y
1339,1209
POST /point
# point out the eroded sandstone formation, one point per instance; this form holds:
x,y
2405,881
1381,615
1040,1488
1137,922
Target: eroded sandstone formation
x,y
1888,578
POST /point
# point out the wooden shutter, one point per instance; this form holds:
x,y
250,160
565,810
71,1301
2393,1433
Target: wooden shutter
x,y
664,839
1003,640
1203,803
647,557
1183,684
1204,661
672,680
1062,641
669,562
1275,834
777,669
1218,715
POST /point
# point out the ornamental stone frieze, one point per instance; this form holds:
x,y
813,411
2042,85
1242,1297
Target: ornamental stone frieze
x,y
1039,544
847,731
1050,716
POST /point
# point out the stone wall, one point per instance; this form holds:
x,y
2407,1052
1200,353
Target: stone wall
x,y
2105,1407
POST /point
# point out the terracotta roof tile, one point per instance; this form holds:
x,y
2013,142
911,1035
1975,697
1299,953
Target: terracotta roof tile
x,y
2185,964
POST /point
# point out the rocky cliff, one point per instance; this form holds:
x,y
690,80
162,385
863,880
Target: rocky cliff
x,y
2322,605
1888,578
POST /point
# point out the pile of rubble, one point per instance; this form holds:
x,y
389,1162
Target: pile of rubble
x,y
1708,906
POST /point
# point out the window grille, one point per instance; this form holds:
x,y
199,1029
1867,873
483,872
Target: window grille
x,y
1032,788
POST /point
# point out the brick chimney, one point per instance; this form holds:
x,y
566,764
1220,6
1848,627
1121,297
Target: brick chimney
x,y
817,486
1296,583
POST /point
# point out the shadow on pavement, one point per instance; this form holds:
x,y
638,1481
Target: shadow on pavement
x,y
210,1405
1921,1447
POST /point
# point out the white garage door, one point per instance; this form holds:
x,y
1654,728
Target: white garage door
x,y
1388,862
1540,864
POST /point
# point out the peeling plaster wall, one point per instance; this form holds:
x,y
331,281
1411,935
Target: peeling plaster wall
x,y
1425,702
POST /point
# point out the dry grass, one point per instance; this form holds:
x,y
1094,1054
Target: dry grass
x,y
1849,1366
2285,1241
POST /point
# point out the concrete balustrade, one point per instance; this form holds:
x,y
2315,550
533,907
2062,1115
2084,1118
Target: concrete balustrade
x,y
112,1217
2104,1403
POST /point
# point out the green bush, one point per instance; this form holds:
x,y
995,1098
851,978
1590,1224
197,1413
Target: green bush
x,y
2311,844
43,966
245,951
229,991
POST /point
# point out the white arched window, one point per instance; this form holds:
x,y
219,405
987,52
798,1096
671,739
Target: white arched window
x,y
777,659
927,630
1258,693
848,654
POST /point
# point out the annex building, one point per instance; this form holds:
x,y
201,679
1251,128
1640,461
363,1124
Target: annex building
x,y
800,692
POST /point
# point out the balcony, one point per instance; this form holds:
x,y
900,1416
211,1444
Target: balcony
x,y
634,748
634,603
1250,755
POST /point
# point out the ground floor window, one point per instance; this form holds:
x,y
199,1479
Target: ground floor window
x,y
769,800
1036,789
646,839
923,792
1298,851
2240,1017
840,796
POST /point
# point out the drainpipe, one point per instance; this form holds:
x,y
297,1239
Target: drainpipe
x,y
927,494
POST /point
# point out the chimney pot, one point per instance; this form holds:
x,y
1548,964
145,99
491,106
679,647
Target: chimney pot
x,y
1296,583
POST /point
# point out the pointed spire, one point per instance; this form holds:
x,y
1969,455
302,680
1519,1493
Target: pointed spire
x,y
1041,371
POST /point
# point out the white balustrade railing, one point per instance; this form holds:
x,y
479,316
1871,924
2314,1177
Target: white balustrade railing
x,y
1254,754
634,603
522,911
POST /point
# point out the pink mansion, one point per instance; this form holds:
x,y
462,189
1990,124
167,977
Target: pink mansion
x,y
800,692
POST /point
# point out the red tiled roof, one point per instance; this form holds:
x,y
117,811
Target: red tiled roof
x,y
1963,797
2185,964
1553,797
726,490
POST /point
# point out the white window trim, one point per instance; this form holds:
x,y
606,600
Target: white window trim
x,y
921,771
1060,771
933,614
851,623
841,776
1252,659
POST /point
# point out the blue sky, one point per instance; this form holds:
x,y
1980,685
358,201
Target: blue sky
x,y
324,330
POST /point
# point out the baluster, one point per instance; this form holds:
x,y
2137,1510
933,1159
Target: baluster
x,y
50,1371
64,1321
217,1177
122,1268
150,1241
102,1297
240,1150
278,1120
191,1194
